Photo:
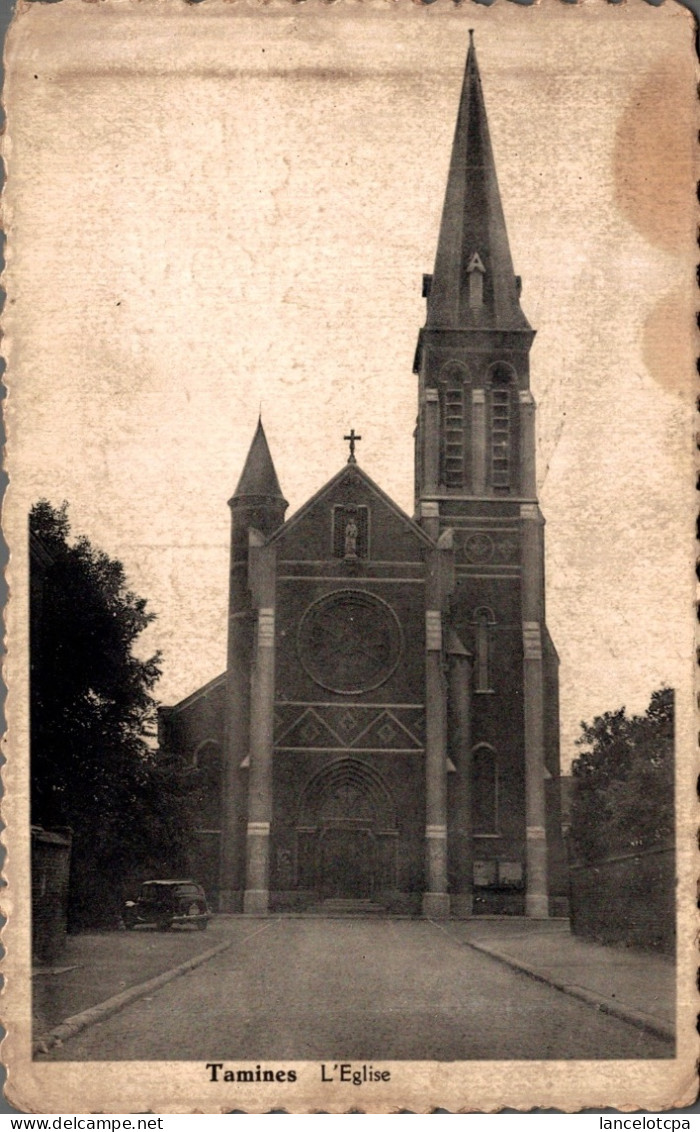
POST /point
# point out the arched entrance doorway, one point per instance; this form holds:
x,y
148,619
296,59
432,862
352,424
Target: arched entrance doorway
x,y
346,834
346,866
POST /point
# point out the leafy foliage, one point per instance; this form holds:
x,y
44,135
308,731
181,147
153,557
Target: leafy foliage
x,y
94,763
623,781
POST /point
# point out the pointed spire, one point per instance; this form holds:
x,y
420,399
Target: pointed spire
x,y
473,284
259,478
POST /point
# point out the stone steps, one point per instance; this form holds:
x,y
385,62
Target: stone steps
x,y
342,907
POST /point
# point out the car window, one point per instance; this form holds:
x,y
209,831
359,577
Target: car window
x,y
188,890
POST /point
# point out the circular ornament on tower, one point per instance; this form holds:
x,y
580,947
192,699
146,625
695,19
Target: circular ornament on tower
x,y
479,547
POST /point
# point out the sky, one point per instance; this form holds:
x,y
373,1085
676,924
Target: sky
x,y
222,209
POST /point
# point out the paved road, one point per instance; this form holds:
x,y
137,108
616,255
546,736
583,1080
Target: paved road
x,y
298,989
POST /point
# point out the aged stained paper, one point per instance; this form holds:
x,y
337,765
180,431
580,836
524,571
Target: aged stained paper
x,y
225,212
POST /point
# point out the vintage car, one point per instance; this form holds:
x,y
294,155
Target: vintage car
x,y
164,903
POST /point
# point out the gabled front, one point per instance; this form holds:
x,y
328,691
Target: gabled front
x,y
346,591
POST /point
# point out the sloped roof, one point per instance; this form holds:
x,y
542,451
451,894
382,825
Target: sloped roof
x,y
258,477
349,470
198,694
473,225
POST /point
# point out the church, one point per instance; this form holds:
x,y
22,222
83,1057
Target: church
x,y
386,733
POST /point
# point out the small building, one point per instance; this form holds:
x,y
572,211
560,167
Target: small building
x,y
50,872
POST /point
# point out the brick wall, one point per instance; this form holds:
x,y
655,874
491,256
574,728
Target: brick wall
x,y
50,868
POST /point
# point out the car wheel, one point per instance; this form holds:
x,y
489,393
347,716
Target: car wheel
x,y
164,925
202,925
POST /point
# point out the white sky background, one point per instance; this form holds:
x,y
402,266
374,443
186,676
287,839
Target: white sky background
x,y
217,206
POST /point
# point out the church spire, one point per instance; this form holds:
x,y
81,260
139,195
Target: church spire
x,y
473,283
259,478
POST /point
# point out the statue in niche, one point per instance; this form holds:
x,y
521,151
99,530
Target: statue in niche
x,y
351,533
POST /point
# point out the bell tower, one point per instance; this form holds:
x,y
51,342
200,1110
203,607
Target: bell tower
x,y
473,352
475,474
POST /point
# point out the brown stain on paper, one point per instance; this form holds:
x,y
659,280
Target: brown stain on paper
x,y
654,176
669,352
653,160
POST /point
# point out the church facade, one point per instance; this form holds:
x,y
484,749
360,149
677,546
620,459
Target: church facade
x,y
386,731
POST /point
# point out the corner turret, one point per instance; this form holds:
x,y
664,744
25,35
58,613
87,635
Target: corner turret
x,y
258,488
256,504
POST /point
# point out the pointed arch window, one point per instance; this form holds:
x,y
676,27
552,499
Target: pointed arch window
x,y
475,274
207,793
484,790
454,377
503,433
483,622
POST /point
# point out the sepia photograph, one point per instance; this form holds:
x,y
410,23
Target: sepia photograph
x,y
351,748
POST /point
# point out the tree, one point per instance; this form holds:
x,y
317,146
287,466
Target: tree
x,y
624,781
94,762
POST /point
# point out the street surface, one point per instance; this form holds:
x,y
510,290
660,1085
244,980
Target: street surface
x,y
355,989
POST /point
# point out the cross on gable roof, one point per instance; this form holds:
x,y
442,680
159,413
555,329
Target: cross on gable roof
x,y
348,471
